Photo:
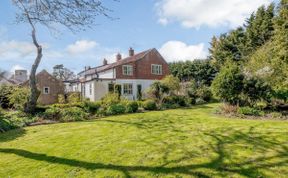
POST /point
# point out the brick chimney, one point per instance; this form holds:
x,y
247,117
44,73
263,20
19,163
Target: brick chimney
x,y
105,62
131,52
118,57
87,68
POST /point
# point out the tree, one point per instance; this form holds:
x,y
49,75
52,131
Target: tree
x,y
161,89
75,15
62,73
202,71
228,84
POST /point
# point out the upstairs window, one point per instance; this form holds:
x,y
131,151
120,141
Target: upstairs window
x,y
156,69
127,70
46,90
127,89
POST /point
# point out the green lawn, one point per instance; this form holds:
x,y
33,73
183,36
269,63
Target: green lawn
x,y
174,143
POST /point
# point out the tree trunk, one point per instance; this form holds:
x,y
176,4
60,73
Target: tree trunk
x,y
34,94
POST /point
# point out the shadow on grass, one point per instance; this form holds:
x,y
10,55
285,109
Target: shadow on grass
x,y
219,144
11,135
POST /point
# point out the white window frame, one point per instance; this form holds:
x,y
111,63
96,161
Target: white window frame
x,y
127,89
90,88
156,69
127,70
44,90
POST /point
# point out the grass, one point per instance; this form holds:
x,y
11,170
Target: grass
x,y
174,143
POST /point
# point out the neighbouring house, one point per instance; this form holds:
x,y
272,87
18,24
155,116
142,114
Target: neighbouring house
x,y
133,75
49,86
19,77
5,81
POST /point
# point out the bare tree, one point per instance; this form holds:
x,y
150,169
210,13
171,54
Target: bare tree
x,y
75,15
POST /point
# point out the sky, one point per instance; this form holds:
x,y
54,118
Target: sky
x,y
179,29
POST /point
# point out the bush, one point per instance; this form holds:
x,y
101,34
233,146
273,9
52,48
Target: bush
x,y
175,101
110,99
73,114
149,105
61,99
276,115
91,107
18,97
15,119
228,84
115,109
52,113
132,107
74,97
250,111
5,91
228,109
204,93
255,89
200,101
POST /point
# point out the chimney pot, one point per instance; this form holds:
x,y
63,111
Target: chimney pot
x,y
131,52
105,62
118,57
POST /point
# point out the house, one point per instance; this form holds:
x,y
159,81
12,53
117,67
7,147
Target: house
x,y
5,81
17,78
133,75
49,86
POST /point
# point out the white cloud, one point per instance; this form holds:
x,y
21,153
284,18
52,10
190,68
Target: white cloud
x,y
81,46
177,50
14,49
17,67
212,13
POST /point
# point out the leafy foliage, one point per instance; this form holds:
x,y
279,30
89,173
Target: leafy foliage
x,y
228,84
149,105
201,71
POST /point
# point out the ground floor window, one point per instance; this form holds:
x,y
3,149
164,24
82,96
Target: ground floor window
x,y
90,89
127,89
46,90
111,87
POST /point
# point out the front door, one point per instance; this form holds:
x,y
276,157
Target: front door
x,y
139,92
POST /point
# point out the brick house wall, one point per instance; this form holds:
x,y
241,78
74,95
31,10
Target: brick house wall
x,y
142,68
56,87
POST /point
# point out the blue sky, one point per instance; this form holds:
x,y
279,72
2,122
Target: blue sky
x,y
179,29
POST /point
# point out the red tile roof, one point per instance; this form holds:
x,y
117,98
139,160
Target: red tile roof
x,y
129,59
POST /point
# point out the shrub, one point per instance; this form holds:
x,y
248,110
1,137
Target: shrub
x,y
19,97
73,97
200,101
204,93
61,99
115,109
68,105
228,109
276,115
52,113
149,105
15,119
255,89
72,114
250,111
175,101
110,99
132,107
5,91
91,107
228,84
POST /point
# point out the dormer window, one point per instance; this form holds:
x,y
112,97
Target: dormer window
x,y
156,69
127,70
